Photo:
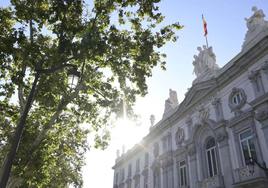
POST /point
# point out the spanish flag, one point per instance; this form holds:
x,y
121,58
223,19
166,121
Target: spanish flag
x,y
205,26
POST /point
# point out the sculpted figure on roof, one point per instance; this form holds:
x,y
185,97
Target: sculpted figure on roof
x,y
204,61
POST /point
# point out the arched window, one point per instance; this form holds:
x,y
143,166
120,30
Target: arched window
x,y
211,157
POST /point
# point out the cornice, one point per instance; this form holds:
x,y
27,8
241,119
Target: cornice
x,y
233,69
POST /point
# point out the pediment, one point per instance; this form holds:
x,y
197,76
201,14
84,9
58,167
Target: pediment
x,y
198,91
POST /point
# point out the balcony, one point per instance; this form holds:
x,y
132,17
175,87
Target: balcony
x,y
243,178
212,182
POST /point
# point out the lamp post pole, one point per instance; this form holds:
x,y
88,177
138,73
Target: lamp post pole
x,y
6,168
17,136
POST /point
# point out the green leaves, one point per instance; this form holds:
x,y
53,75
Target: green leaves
x,y
115,47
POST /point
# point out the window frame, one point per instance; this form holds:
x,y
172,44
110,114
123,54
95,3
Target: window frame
x,y
251,137
182,168
213,163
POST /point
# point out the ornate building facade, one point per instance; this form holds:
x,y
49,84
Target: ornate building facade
x,y
218,135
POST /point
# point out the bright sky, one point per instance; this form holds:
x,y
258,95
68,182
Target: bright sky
x,y
226,31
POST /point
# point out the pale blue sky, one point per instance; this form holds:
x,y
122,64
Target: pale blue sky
x,y
226,31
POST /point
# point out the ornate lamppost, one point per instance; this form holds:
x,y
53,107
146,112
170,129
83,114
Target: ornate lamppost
x,y
73,78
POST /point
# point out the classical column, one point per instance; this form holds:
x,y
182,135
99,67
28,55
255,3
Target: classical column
x,y
192,167
225,159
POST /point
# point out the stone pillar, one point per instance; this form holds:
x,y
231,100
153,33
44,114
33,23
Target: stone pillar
x,y
225,159
262,116
192,167
264,72
218,109
256,81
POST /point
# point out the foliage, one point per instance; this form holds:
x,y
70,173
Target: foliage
x,y
113,43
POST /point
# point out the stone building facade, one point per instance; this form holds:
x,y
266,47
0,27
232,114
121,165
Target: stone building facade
x,y
210,139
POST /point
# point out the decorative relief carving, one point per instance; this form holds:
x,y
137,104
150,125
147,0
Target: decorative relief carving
x,y
179,137
237,99
203,113
261,115
265,68
191,150
189,121
221,136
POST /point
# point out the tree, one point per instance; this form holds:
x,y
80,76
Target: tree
x,y
114,44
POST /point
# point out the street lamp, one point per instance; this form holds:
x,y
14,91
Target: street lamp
x,y
251,164
73,77
6,168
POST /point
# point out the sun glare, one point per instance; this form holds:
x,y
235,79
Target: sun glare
x,y
126,134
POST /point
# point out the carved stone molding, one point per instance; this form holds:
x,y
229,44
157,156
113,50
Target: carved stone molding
x,y
243,99
265,67
222,136
191,150
179,137
145,172
203,113
136,176
155,165
261,115
189,121
252,76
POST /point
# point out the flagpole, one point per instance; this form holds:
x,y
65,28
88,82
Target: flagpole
x,y
206,40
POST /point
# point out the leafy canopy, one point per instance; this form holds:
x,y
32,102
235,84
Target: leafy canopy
x,y
113,43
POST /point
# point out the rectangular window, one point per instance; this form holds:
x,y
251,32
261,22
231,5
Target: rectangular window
x,y
247,146
137,182
182,174
129,170
137,165
146,181
116,178
146,159
212,162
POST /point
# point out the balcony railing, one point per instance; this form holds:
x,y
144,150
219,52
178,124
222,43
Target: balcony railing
x,y
245,174
212,182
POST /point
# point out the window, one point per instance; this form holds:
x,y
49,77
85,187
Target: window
x,y
122,175
237,98
146,159
156,175
146,181
137,182
137,165
211,157
182,174
129,170
116,178
247,146
166,142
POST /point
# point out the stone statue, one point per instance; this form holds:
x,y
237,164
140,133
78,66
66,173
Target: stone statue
x,y
205,61
117,153
152,119
173,97
171,102
255,24
257,19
